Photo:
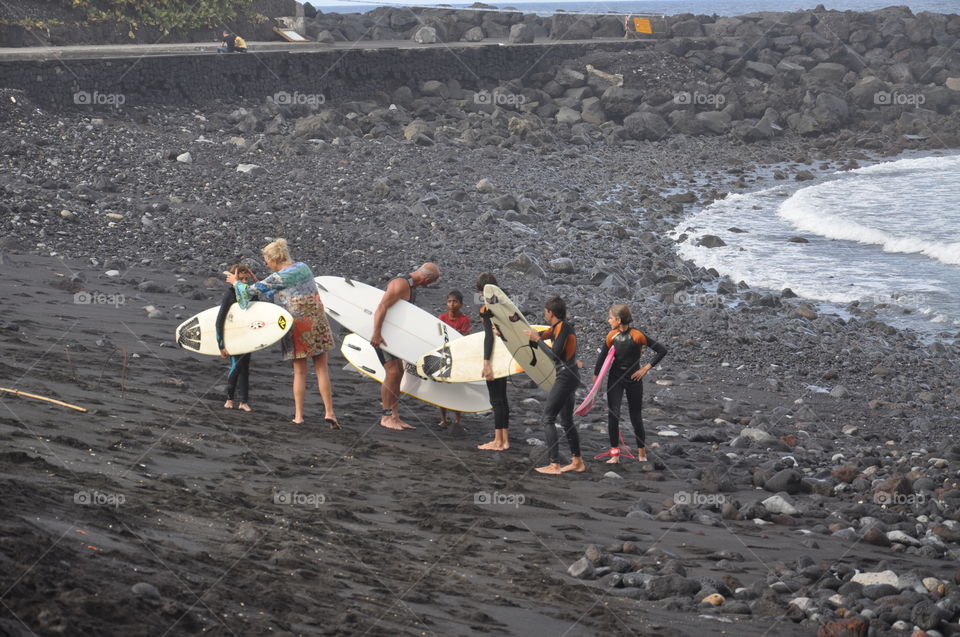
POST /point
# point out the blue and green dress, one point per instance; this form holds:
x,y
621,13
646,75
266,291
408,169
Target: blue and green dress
x,y
295,290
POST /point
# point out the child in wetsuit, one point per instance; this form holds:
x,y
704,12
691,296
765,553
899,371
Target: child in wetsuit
x,y
561,397
626,376
238,378
460,322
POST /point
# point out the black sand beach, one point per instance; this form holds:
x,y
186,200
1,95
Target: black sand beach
x,y
158,512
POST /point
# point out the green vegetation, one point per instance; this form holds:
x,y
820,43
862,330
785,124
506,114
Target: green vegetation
x,y
163,14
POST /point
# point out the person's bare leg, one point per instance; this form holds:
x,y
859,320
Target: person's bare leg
x,y
390,396
299,388
576,465
641,454
322,371
443,419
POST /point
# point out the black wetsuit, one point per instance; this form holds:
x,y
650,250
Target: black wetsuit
x,y
496,388
561,397
629,349
238,378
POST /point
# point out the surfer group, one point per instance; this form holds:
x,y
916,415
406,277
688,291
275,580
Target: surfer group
x,y
292,285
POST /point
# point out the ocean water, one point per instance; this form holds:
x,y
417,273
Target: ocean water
x,y
665,7
887,235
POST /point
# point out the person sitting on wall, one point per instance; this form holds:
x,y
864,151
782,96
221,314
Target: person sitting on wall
x,y
232,44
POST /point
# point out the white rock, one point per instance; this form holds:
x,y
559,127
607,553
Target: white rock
x,y
837,600
185,158
426,35
779,504
876,577
251,169
902,538
667,433
613,475
803,603
932,583
757,435
484,185
112,273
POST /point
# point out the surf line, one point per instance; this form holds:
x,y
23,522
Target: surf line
x,y
17,392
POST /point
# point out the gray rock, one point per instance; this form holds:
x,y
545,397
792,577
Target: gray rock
x,y
646,126
671,586
591,111
786,481
563,265
145,590
581,569
567,115
252,170
473,34
710,241
426,35
185,158
521,33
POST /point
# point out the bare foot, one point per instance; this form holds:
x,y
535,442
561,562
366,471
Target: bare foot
x,y
493,444
245,407
576,465
503,446
552,468
614,459
443,424
389,423
403,425
297,422
228,404
641,455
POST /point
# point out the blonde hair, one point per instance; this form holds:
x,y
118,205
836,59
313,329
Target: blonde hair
x,y
622,312
277,252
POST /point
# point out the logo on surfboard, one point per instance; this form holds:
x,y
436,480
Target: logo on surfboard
x,y
256,325
282,322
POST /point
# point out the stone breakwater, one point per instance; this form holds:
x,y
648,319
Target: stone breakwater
x,y
753,77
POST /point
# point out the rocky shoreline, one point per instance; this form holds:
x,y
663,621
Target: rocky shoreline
x,y
804,472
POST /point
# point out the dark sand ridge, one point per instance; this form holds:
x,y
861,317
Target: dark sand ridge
x,y
398,546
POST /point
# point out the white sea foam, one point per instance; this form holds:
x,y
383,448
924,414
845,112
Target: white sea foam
x,y
808,211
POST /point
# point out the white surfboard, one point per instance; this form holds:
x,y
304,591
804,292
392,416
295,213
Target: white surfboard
x,y
461,360
408,331
260,325
536,363
466,397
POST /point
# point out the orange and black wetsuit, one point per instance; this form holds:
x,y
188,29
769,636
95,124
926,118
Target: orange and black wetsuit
x,y
560,399
628,349
496,388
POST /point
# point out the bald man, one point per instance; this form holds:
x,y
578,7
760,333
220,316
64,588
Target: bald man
x,y
402,288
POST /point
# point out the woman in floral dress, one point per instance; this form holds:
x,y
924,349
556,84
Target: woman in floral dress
x,y
292,286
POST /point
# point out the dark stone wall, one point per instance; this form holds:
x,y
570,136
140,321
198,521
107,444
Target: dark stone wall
x,y
336,74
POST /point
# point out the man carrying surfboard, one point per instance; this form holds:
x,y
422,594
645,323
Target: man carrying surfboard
x,y
401,288
560,399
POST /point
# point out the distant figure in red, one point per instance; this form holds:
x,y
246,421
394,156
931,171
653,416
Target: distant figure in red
x,y
460,322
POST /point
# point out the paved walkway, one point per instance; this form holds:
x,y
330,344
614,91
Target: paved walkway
x,y
93,51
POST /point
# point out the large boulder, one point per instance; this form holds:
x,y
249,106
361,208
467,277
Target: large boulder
x,y
866,93
521,34
571,27
473,34
831,112
645,125
829,72
618,102
687,29
591,111
426,35
716,122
